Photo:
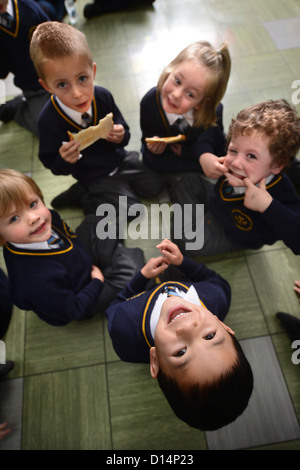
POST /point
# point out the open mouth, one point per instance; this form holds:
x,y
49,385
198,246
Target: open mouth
x,y
176,313
40,229
237,175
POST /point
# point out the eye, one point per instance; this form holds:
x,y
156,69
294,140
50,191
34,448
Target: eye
x,y
61,85
13,219
32,204
210,336
177,81
190,94
181,352
83,78
251,156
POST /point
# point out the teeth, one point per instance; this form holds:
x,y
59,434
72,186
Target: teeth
x,y
178,315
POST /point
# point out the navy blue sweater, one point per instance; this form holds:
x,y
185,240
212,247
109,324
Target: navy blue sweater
x,y
56,284
251,229
129,315
153,122
14,45
99,159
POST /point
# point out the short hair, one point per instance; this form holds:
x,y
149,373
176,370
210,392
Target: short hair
x,y
219,64
53,40
15,188
275,119
211,405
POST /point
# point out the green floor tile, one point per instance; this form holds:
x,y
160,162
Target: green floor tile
x,y
66,411
140,415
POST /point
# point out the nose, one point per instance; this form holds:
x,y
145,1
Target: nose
x,y
237,161
32,218
76,91
187,329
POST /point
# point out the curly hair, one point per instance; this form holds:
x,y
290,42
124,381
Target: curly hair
x,y
219,64
275,119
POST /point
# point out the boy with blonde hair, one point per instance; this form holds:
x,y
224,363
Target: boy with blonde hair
x,y
106,170
60,275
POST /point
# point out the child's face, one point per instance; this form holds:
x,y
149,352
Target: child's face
x,y
190,342
185,87
248,156
72,80
28,224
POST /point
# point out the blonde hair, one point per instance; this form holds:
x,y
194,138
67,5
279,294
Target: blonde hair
x,y
15,188
219,64
53,40
275,119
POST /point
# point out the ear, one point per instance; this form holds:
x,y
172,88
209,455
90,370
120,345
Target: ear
x,y
94,70
276,169
227,328
154,366
44,85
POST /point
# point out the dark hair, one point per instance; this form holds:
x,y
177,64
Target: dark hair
x,y
214,404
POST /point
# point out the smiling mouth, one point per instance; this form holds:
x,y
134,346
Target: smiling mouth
x,y
236,175
39,229
177,313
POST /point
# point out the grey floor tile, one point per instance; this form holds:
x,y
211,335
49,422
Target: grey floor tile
x,y
11,401
285,32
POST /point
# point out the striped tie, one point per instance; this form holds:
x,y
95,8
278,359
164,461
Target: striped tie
x,y
54,240
87,119
171,290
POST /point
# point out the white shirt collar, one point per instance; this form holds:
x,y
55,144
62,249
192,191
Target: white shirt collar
x,y
36,245
10,8
191,296
189,116
72,113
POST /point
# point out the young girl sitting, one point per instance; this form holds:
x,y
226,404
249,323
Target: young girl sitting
x,y
187,101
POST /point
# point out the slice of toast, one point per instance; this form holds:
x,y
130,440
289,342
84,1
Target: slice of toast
x,y
88,136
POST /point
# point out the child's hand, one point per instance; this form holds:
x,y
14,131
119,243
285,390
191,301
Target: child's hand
x,y
297,288
212,165
69,151
3,431
154,267
257,198
156,147
96,273
171,252
116,135
177,149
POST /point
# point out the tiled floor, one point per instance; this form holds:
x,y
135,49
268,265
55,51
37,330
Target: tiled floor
x,y
68,389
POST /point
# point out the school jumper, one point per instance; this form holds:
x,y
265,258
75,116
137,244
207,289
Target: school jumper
x,y
129,315
15,58
56,284
230,226
154,122
106,170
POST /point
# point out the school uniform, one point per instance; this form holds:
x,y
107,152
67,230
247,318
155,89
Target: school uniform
x,y
133,315
15,36
106,170
55,281
155,122
230,226
6,304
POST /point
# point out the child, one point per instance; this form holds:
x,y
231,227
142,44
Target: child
x,y
49,270
106,170
196,358
15,34
187,101
253,203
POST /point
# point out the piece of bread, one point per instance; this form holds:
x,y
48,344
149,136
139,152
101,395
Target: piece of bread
x,y
168,140
90,135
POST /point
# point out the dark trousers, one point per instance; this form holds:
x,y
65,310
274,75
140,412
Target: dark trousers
x,y
117,263
6,304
